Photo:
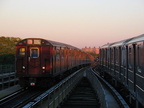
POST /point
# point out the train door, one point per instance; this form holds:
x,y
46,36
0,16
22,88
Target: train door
x,y
112,62
119,68
116,57
108,58
67,58
140,70
34,65
62,59
104,59
126,68
131,67
134,66
124,65
117,61
46,59
54,60
58,68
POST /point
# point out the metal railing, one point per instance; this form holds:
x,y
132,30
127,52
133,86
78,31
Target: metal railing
x,y
7,69
96,84
116,95
56,95
7,76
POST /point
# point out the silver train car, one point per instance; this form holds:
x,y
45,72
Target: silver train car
x,y
124,62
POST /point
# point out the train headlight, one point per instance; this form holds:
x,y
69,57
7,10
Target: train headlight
x,y
23,67
43,67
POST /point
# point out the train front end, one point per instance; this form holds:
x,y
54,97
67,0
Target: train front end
x,y
33,61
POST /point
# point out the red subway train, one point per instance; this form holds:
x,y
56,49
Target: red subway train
x,y
40,62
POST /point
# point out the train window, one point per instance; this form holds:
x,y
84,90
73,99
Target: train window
x,y
22,51
34,53
130,58
104,54
38,42
116,55
70,52
112,55
123,58
29,41
139,58
108,54
58,53
138,54
62,54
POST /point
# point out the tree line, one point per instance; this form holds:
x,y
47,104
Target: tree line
x,y
8,49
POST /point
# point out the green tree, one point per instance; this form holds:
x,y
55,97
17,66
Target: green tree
x,y
8,49
7,45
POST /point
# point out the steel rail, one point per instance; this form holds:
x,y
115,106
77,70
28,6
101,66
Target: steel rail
x,y
6,98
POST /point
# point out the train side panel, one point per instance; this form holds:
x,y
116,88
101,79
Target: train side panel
x,y
21,60
126,65
46,60
140,71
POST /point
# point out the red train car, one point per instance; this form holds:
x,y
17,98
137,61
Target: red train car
x,y
39,62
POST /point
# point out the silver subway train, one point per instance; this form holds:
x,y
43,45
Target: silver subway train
x,y
124,62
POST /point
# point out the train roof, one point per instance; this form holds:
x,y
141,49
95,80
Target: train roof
x,y
136,39
53,43
49,42
121,43
118,43
124,42
106,45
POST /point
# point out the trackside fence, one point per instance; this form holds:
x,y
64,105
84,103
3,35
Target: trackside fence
x,y
7,69
7,76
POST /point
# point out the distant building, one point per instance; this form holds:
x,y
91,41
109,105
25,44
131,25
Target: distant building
x,y
93,50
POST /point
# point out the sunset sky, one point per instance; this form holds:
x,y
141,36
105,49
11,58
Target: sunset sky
x,y
76,22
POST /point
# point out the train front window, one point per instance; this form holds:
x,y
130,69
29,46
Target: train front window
x,y
34,53
22,51
139,58
130,58
29,41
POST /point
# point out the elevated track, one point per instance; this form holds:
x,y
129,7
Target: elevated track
x,y
59,95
